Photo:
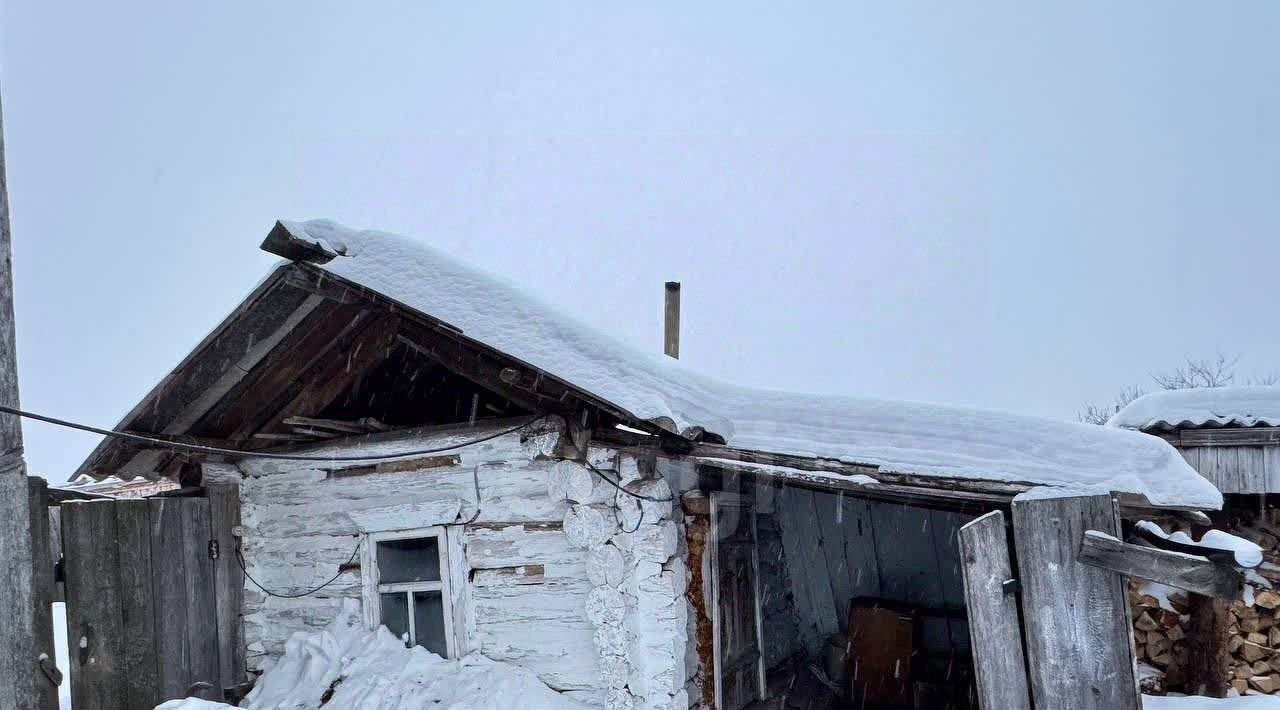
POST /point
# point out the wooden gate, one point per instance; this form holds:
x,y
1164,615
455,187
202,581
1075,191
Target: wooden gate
x,y
142,619
735,617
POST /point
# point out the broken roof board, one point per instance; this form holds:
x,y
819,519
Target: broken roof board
x,y
902,437
1250,406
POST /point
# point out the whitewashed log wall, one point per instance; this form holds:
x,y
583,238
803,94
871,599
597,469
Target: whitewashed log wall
x,y
836,548
553,584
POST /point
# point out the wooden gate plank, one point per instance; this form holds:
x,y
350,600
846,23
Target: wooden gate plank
x,y
1078,631
94,633
169,590
42,593
994,632
224,515
201,609
142,677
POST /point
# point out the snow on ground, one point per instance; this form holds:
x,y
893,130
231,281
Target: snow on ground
x,y
1245,702
901,437
345,666
1257,405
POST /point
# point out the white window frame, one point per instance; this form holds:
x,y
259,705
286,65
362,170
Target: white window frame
x,y
373,588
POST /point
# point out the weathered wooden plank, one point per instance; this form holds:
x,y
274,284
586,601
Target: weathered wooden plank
x,y
141,669
1252,469
994,631
42,593
169,589
1271,464
1078,629
95,633
860,548
831,545
1249,436
1175,569
791,504
1218,464
224,516
201,607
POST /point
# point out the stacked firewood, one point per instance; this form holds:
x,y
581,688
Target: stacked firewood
x,y
1159,637
1159,634
1255,644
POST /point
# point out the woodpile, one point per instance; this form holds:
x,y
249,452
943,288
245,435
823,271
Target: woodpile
x,y
1160,639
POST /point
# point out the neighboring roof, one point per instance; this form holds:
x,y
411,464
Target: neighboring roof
x,y
899,437
1202,407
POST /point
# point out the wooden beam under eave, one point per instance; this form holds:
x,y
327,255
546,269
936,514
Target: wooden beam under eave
x,y
276,379
1175,569
425,329
334,374
258,316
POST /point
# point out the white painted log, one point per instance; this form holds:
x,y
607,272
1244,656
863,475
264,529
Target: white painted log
x,y
628,469
541,439
606,565
406,516
656,543
587,526
570,480
619,699
612,639
654,507
606,606
614,670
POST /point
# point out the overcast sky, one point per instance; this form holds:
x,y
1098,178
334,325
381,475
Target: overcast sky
x,y
979,203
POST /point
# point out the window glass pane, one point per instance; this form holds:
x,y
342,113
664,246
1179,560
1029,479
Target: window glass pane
x,y
428,620
411,560
395,613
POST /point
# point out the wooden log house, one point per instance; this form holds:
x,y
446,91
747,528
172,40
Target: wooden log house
x,y
485,475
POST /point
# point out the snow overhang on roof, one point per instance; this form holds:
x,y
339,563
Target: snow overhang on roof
x,y
900,437
1252,406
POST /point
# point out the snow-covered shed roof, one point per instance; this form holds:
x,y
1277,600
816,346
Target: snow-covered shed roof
x,y
1249,406
899,437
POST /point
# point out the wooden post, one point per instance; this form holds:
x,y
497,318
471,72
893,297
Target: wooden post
x,y
42,592
996,634
1078,628
224,516
18,663
1208,656
671,321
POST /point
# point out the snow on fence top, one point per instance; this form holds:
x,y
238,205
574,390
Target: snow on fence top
x,y
1257,405
901,437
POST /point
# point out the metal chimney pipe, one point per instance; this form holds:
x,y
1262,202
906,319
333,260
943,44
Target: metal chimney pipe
x,y
671,321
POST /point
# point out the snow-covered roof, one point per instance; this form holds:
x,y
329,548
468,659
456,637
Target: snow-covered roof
x,y
1257,405
899,437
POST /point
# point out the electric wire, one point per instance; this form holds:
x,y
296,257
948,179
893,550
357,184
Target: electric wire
x,y
282,595
239,453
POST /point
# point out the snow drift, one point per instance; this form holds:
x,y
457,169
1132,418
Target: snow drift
x,y
1255,405
344,666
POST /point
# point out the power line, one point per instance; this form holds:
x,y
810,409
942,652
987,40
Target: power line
x,y
238,453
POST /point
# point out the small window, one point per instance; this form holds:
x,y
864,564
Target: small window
x,y
407,589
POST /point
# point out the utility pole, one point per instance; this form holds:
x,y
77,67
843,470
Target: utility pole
x,y
17,636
